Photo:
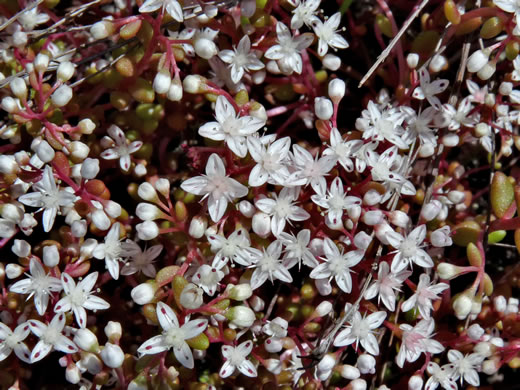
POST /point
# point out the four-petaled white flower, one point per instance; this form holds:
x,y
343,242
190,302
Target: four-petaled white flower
x,y
361,330
416,340
172,7
287,51
39,284
424,295
235,248
386,285
335,201
111,250
207,278
297,249
51,337
409,249
304,12
230,127
327,34
465,366
343,151
79,297
216,186
427,90
122,149
139,260
236,358
173,336
268,265
13,341
241,59
276,328
337,265
271,161
49,198
282,209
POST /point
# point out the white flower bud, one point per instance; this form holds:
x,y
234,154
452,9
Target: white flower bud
x,y
441,237
323,108
241,316
79,228
162,81
51,255
198,226
102,29
512,306
482,130
147,192
505,88
143,293
261,224
20,39
86,126
399,218
41,62
274,366
431,210
415,382
324,308
10,105
65,71
89,168
72,374
349,372
358,384
327,363
86,340
373,217
258,111
246,208
257,303
205,48
487,71
478,60
191,296
475,332
11,212
336,224
412,60
273,345
462,305
336,90
113,209
362,240
79,150
258,77
272,67
91,363
450,140
489,367
426,150
500,303
371,198
322,375
163,186
240,292
437,63
323,286
112,355
175,90
483,348
448,271
12,270
331,62
148,211
490,100
8,164
21,248
457,196
366,364
194,84
61,97
19,88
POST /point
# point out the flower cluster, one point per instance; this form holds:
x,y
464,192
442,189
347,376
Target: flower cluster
x,y
190,196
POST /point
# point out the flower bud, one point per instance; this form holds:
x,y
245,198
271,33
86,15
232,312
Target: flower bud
x,y
362,240
273,345
8,164
462,305
175,90
257,303
261,224
65,71
113,331
112,355
241,316
489,367
11,212
274,366
482,130
205,48
79,150
19,88
79,228
20,39
358,384
51,255
147,230
366,364
373,217
431,210
484,348
61,97
10,105
426,150
246,208
505,88
147,192
441,237
21,248
148,211
323,286
478,60
144,293
162,81
240,292
86,340
41,62
487,71
45,152
456,196
327,363
500,303
12,270
475,332
331,62
336,90
191,296
437,63
371,198
86,126
399,218
163,186
89,168
324,308
323,108
450,140
72,374
412,60
448,271
349,372
102,29
198,226
100,219
415,382
194,84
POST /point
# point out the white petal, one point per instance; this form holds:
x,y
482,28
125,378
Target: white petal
x,y
167,317
152,346
184,355
41,349
247,368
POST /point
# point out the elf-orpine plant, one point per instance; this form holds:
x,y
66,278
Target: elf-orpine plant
x,y
259,194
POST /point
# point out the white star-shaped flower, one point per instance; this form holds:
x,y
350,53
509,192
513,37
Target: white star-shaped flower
x,y
409,249
439,376
173,336
343,151
111,250
335,201
207,278
235,248
271,161
172,7
13,341
241,59
139,260
30,19
122,149
424,295
416,340
386,285
216,186
236,358
297,249
304,12
465,366
268,265
327,34
428,89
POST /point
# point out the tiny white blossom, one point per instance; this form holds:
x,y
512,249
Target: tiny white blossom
x,y
297,249
172,7
235,248
409,249
207,278
29,19
241,59
271,161
173,336
216,186
335,201
420,125
51,337
304,12
122,148
236,358
416,340
139,260
343,151
465,367
424,295
13,341
439,376
427,89
111,250
386,285
328,35
268,265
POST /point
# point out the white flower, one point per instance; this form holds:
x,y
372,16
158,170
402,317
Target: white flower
x,y
454,119
173,336
361,330
465,366
216,186
335,201
139,260
30,19
427,90
271,161
49,198
409,249
276,328
304,12
50,338
281,208
39,284
327,34
241,59
13,341
122,149
287,51
424,295
386,285
230,127
416,340
342,150
207,278
79,297
111,250
439,376
337,264
267,264
420,125
172,7
297,249
236,358
235,248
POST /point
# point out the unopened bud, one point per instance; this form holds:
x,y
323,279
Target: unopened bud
x,y
113,331
41,62
102,29
415,382
194,84
198,226
144,293
112,355
478,60
261,224
399,218
162,81
89,168
475,332
273,345
324,308
12,270
412,60
366,364
431,210
86,126
241,316
487,71
148,211
86,340
65,71
331,62
19,88
448,271
61,97
175,90
349,372
323,108
191,296
462,305
246,208
241,292
51,255
336,90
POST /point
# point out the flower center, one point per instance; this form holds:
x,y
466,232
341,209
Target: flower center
x,y
174,337
77,297
408,248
